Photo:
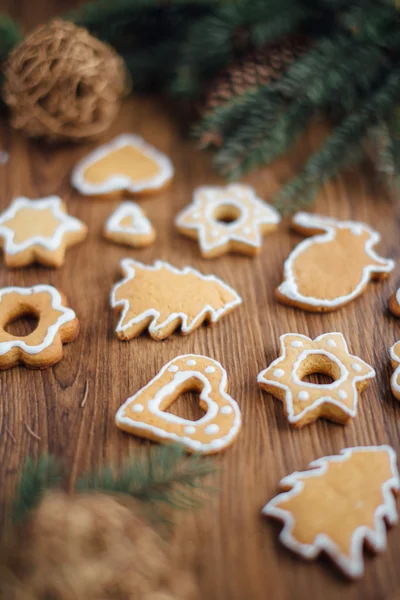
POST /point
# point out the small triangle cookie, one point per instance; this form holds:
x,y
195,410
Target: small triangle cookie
x,y
127,165
144,413
128,225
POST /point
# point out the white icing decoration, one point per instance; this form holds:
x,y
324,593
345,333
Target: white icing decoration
x,y
296,344
191,362
206,396
342,394
128,265
140,223
189,429
352,564
252,209
211,429
122,182
278,373
331,343
289,286
398,296
210,369
225,410
138,408
303,395
67,314
329,388
395,378
356,367
173,369
67,223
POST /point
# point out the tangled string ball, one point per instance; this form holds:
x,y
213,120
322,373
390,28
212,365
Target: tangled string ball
x,y
61,83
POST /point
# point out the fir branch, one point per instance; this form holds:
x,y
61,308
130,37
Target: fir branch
x,y
163,475
335,152
36,479
213,42
10,35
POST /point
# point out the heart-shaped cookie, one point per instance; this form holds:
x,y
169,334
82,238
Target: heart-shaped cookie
x,y
127,165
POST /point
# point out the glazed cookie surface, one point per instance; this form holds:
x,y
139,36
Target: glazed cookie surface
x,y
38,231
144,413
127,165
395,379
339,505
333,267
304,402
227,219
128,225
161,298
394,303
57,324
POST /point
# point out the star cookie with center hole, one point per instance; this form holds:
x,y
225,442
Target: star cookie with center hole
x,y
38,231
227,219
305,402
57,324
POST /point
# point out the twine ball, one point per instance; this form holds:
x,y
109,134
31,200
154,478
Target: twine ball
x,y
90,547
61,83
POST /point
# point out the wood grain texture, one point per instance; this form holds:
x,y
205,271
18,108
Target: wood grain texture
x,y
232,551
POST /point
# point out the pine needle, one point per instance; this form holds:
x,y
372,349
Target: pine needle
x,y
85,394
163,475
31,432
36,479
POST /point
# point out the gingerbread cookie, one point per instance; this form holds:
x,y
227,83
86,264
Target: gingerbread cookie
x,y
334,266
144,413
304,402
129,225
126,165
227,219
161,298
394,303
38,230
395,379
339,505
57,324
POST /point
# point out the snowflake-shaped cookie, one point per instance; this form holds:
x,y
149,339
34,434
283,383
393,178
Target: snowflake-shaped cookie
x,y
38,230
304,401
226,219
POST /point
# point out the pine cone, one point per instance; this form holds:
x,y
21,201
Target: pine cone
x,y
89,547
259,67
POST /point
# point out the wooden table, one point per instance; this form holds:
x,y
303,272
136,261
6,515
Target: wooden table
x,y
232,551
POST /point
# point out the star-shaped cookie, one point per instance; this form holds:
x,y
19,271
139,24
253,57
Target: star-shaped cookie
x,y
38,230
304,402
227,219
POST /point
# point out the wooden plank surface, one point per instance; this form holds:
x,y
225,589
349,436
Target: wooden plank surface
x,y
232,551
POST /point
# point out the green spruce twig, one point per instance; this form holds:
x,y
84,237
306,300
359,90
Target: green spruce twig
x,y
36,479
164,474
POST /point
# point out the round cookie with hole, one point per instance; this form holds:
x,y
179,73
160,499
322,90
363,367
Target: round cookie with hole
x,y
227,219
144,414
304,401
56,324
125,166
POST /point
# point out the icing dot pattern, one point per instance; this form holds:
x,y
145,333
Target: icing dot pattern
x,y
214,431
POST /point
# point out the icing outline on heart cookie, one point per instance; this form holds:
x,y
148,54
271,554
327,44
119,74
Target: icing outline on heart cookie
x,y
118,183
215,406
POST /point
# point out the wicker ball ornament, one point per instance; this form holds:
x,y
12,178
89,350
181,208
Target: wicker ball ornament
x,y
61,83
